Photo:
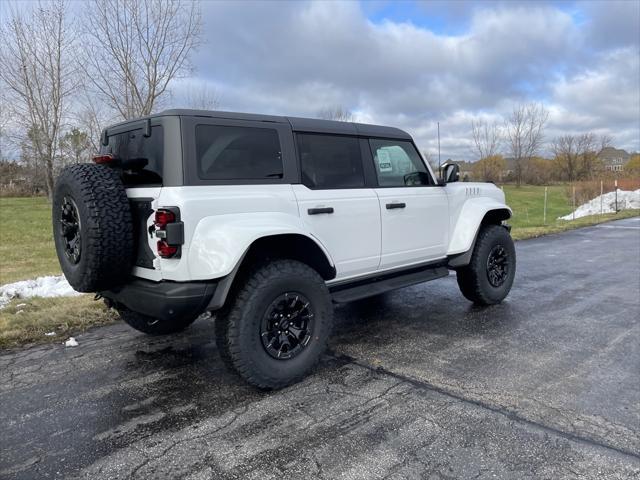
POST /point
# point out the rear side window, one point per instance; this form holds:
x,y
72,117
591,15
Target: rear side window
x,y
143,154
398,164
238,153
330,161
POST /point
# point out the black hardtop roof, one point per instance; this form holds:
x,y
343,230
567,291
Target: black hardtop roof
x,y
298,124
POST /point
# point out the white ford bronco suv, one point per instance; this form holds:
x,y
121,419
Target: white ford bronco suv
x,y
266,221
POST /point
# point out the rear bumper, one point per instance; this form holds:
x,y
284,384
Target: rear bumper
x,y
163,300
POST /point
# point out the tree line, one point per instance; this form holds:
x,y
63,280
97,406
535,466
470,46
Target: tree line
x,y
521,138
65,75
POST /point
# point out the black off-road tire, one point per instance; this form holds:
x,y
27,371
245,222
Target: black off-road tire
x,y
238,326
152,326
473,279
106,243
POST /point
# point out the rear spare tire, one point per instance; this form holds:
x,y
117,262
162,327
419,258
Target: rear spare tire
x,y
92,227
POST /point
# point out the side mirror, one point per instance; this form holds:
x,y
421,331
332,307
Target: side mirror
x,y
450,173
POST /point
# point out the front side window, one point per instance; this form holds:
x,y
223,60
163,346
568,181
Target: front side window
x,y
330,161
398,164
238,153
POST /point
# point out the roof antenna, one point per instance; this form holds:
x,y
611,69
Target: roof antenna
x,y
439,168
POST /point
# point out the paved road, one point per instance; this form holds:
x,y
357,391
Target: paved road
x,y
418,384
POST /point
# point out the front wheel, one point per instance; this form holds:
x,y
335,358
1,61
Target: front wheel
x,y
489,276
278,324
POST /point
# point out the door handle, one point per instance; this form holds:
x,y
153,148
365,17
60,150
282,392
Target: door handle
x,y
319,210
391,206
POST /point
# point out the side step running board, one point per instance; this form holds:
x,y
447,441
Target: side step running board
x,y
373,286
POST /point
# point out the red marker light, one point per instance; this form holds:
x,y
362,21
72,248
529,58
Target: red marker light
x,y
103,159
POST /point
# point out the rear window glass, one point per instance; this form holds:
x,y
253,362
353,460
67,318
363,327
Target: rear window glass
x,y
330,161
238,153
145,154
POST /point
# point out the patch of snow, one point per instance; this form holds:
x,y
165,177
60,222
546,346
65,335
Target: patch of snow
x,y
51,286
71,342
20,305
50,334
626,200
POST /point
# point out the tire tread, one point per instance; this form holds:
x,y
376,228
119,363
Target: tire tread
x,y
472,278
228,320
109,248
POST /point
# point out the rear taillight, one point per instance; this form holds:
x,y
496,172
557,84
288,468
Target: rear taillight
x,y
102,159
170,232
165,250
164,217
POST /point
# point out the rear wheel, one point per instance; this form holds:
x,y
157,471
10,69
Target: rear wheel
x,y
489,276
277,326
154,326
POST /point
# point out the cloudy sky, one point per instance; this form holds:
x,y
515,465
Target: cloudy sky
x,y
416,63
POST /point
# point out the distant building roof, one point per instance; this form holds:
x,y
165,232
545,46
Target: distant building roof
x,y
614,155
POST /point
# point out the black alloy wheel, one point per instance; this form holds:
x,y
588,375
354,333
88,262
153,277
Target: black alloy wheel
x,y
489,276
497,266
287,326
276,325
70,228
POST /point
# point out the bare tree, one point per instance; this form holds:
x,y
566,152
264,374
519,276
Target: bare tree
x,y
337,112
4,126
37,69
91,116
605,141
137,47
524,132
588,145
566,155
577,155
486,138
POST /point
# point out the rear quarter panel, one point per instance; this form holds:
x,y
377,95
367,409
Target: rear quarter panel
x,y
221,222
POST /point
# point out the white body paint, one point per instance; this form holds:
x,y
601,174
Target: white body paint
x,y
361,237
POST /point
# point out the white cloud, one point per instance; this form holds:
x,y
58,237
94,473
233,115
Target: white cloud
x,y
604,98
296,58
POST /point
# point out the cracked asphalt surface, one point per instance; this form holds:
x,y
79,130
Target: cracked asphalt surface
x,y
418,383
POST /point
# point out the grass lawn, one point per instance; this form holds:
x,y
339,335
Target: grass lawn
x,y
26,321
527,203
26,241
27,251
522,233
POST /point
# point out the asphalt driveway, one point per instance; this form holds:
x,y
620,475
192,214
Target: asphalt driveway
x,y
418,384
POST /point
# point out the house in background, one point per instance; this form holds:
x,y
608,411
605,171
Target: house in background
x,y
614,159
